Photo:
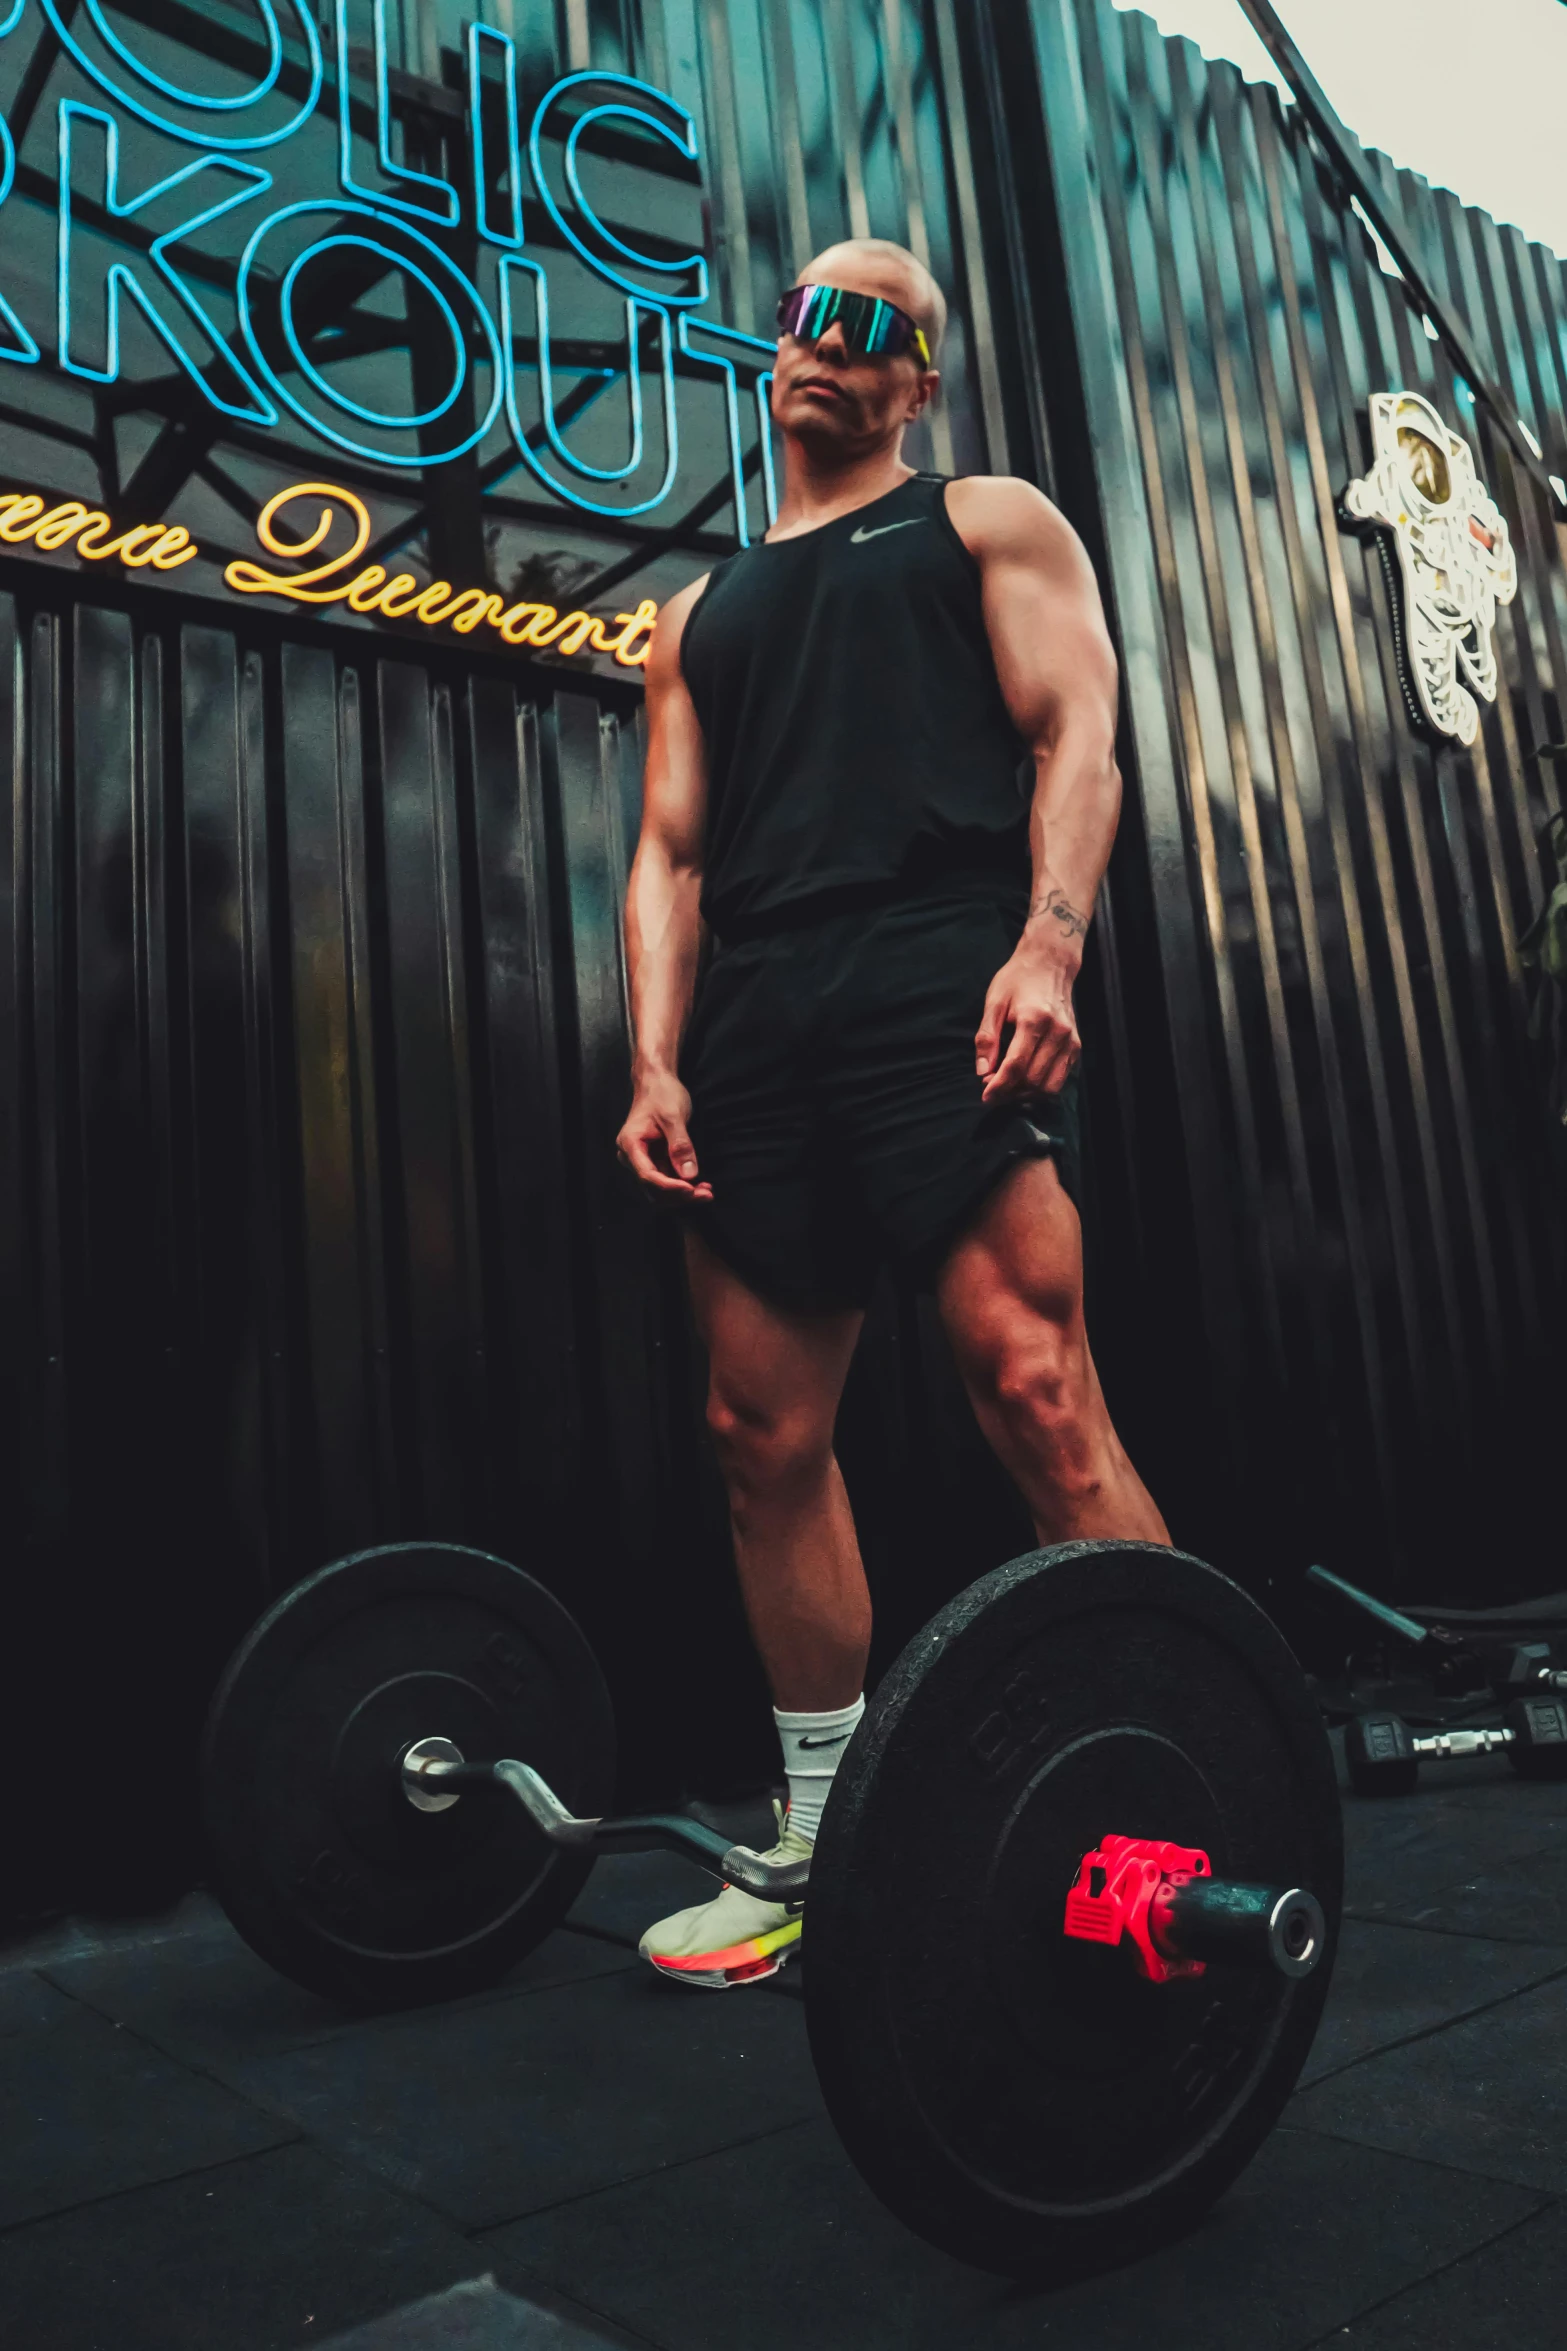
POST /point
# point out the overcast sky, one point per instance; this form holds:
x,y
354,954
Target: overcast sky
x,y
1471,93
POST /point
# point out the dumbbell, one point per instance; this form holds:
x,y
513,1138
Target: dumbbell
x,y
1384,1756
1523,1665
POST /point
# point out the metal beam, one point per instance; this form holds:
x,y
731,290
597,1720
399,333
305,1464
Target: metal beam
x,y
1348,158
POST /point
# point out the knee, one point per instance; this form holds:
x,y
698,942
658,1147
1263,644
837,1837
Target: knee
x,y
765,1451
1041,1388
1030,1367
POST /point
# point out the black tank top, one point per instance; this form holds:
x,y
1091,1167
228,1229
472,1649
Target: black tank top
x,y
857,742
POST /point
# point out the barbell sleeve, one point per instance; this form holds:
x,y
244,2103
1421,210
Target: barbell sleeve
x,y
1279,1927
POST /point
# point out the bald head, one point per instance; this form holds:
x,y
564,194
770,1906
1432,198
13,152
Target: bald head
x,y
875,265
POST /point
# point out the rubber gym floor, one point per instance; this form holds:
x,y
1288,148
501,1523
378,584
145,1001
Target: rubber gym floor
x,y
197,2156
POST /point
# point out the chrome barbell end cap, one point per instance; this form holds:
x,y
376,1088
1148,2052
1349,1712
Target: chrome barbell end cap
x,y
1297,1932
420,1788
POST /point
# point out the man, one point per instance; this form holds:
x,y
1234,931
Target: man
x,y
880,1063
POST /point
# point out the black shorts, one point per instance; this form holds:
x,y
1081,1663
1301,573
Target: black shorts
x,y
835,1108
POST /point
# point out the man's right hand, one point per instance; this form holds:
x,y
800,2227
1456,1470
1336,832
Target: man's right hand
x,y
655,1141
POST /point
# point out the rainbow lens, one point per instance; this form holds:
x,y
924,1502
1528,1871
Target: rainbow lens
x,y
872,328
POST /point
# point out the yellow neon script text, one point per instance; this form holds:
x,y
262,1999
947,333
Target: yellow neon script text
x,y
24,516
402,598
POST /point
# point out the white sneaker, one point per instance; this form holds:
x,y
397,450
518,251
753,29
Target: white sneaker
x,y
735,1938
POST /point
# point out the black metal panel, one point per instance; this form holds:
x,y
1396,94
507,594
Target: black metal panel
x,y
1330,1251
315,1045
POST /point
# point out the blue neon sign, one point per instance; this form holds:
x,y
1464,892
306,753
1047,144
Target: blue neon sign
x,y
683,139
430,269
120,279
113,82
407,225
440,202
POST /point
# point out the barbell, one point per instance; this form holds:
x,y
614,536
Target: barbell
x,y
1071,1910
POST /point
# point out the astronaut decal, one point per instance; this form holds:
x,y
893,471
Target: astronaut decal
x,y
1454,554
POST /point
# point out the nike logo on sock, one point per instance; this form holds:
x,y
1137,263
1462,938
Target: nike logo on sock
x,y
836,1740
862,534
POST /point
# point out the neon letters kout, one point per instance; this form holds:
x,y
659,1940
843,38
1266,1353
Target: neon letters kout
x,y
250,146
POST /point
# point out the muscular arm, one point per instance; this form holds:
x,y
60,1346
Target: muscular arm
x,y
1058,676
663,918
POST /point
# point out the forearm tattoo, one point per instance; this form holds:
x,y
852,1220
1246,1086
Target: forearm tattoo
x,y
1056,904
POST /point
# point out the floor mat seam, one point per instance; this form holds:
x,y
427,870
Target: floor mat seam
x,y
1526,2220
194,2171
1429,2032
654,2171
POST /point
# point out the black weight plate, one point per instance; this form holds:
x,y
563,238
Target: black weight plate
x,y
1028,2103
322,1863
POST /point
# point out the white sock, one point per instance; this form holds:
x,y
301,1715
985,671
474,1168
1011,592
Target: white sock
x,y
812,1746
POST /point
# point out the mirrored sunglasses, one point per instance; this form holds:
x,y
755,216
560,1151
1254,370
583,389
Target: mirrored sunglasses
x,y
872,329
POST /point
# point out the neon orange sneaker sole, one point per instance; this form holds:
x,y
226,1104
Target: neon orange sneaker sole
x,y
742,1963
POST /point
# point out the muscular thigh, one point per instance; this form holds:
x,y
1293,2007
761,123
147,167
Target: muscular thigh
x,y
1017,1267
769,1365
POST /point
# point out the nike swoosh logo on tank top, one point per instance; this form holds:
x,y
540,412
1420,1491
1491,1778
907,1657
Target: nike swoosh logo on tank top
x,y
858,538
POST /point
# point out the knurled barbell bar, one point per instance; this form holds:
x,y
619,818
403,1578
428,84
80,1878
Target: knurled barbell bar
x,y
1094,1793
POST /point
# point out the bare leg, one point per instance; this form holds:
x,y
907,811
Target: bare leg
x,y
1011,1297
774,1381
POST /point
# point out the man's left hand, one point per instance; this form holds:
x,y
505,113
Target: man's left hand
x,y
1032,995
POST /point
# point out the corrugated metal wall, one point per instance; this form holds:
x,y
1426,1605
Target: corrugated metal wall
x,y
312,1232
1331,1146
